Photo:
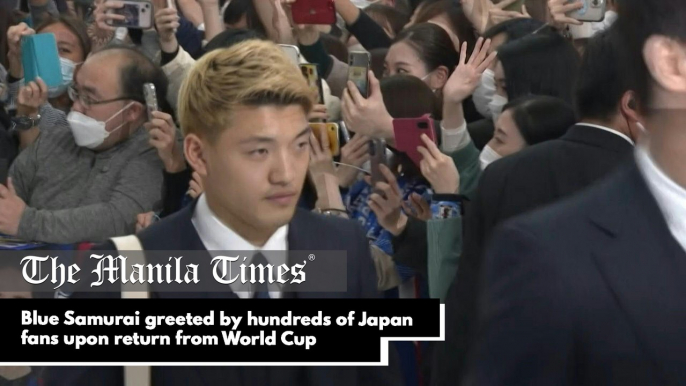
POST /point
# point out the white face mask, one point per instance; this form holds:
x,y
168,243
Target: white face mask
x,y
484,93
67,66
488,156
496,106
89,132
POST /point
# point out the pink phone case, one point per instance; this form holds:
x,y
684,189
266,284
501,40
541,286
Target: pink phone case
x,y
408,133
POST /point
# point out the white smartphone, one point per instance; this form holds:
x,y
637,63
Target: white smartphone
x,y
150,99
592,11
137,15
293,53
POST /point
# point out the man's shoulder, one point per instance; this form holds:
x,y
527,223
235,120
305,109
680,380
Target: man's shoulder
x,y
569,220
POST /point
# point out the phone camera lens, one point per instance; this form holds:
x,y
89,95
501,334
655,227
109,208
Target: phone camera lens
x,y
422,125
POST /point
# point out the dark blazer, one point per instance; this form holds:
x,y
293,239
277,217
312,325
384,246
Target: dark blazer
x,y
522,182
589,291
307,231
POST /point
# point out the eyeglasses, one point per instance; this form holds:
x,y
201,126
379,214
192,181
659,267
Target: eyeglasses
x,y
87,101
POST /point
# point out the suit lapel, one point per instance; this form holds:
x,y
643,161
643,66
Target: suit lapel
x,y
186,238
645,268
296,241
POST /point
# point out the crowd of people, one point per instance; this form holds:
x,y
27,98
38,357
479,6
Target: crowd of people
x,y
547,209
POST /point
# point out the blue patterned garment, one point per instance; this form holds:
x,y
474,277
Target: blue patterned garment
x,y
356,201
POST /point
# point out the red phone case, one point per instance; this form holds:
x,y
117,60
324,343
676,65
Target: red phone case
x,y
408,133
321,12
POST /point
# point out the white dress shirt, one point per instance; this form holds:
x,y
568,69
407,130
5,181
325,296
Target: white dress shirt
x,y
216,236
670,196
615,132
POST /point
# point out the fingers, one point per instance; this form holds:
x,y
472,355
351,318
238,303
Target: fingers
x,y
481,56
487,62
463,53
10,186
355,95
431,146
426,155
388,175
476,50
4,191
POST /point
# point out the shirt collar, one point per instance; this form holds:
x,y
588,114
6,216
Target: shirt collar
x,y
613,131
670,196
219,237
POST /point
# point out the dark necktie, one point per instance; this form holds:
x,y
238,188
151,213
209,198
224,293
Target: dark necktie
x,y
260,290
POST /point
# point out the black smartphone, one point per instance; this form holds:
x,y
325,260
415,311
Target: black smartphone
x,y
377,152
358,71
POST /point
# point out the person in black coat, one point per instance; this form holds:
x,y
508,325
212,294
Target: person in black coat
x,y
590,290
538,176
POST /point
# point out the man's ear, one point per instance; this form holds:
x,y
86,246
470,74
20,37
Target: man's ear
x,y
195,150
135,112
628,106
666,62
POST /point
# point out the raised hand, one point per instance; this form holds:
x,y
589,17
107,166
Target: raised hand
x,y
467,75
14,36
162,132
438,168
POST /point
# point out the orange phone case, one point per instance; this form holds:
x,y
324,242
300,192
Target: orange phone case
x,y
332,133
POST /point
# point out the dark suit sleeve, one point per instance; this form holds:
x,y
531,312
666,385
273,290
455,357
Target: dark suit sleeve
x,y
525,324
365,265
410,248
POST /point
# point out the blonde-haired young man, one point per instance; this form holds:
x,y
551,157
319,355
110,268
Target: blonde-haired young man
x,y
243,111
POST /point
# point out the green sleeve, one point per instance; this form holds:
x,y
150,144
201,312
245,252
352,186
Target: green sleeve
x,y
444,250
445,236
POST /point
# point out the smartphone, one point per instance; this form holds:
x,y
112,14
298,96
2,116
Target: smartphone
x,y
377,152
311,73
592,11
516,6
4,170
150,99
138,15
359,70
321,12
39,57
408,132
292,52
344,132
331,130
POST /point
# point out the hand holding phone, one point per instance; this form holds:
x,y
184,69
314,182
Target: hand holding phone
x,y
438,168
135,14
331,131
408,135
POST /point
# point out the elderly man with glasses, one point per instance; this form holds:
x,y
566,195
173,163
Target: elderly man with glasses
x,y
87,174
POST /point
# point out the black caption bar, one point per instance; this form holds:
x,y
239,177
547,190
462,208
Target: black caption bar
x,y
196,330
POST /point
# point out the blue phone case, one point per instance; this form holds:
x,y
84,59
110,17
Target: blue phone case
x,y
40,58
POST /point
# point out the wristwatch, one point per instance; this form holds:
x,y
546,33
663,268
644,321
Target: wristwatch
x,y
22,123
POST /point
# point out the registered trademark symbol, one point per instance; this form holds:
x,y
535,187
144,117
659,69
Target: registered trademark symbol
x,y
311,257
